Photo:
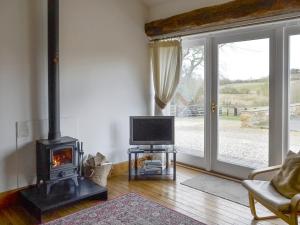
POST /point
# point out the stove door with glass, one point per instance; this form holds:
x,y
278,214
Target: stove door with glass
x,y
63,162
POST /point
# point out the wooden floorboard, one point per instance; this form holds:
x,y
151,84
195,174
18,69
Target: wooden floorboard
x,y
201,206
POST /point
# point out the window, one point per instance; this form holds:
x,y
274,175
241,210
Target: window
x,y
235,110
188,104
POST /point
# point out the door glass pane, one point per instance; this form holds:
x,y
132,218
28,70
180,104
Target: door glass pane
x,y
294,125
188,103
243,124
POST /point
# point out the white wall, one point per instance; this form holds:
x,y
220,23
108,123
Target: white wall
x,y
19,66
104,79
104,70
174,7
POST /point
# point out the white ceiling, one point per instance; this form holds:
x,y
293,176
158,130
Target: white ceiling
x,y
202,2
159,9
154,2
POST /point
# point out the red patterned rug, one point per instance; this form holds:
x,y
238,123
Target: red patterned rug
x,y
130,209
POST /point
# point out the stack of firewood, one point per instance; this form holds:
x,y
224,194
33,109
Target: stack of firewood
x,y
97,169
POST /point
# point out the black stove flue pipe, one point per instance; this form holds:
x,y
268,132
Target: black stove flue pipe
x,y
53,70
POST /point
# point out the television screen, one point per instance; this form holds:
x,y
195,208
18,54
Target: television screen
x,y
152,130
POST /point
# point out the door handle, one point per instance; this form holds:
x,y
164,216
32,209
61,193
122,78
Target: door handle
x,y
214,107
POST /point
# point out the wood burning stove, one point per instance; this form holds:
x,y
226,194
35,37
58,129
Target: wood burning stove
x,y
57,161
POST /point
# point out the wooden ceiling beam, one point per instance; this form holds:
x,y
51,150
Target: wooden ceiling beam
x,y
229,13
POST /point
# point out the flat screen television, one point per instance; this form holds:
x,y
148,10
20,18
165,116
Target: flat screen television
x,y
151,130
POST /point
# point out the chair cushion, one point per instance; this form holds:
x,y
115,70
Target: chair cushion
x,y
265,191
287,180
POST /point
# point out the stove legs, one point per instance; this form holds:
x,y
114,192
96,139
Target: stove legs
x,y
46,187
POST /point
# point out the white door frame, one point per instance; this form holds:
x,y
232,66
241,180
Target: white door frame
x,y
224,167
288,31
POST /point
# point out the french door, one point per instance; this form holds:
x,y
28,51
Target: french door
x,y
240,103
223,103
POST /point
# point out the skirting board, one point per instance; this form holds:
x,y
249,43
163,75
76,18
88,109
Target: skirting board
x,y
119,169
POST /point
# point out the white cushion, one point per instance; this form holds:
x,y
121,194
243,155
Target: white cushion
x,y
265,191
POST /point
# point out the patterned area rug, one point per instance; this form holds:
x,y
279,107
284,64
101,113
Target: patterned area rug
x,y
130,209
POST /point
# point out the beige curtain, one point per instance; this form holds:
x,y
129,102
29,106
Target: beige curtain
x,y
165,59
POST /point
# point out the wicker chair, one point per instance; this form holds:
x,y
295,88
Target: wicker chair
x,y
264,193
